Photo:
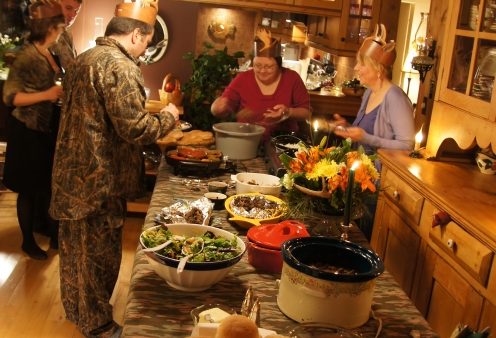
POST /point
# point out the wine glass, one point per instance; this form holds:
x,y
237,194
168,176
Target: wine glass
x,y
57,80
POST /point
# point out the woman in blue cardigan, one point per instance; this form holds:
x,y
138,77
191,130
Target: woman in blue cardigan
x,y
385,118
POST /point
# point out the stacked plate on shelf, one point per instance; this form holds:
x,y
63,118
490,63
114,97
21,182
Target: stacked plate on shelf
x,y
485,76
474,13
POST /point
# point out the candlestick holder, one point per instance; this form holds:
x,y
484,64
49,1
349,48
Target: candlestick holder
x,y
416,153
345,230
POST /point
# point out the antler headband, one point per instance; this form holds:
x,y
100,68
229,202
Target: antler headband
x,y
377,48
142,10
265,44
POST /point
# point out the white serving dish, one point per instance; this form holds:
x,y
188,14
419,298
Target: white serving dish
x,y
196,276
255,182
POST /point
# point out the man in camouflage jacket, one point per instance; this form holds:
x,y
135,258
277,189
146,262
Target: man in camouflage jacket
x,y
98,166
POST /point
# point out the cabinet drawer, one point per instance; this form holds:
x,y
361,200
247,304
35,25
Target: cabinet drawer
x,y
402,195
472,255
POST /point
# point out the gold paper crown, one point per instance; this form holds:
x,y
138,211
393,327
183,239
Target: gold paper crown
x,y
378,49
44,9
142,10
265,44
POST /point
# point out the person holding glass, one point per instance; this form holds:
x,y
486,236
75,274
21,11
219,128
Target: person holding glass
x,y
30,88
268,94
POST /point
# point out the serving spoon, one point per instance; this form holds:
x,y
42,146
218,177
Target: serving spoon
x,y
163,245
192,246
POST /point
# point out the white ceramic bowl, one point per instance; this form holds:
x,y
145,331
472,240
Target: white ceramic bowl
x,y
255,182
486,164
196,276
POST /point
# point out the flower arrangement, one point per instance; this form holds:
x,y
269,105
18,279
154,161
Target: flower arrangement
x,y
318,176
7,43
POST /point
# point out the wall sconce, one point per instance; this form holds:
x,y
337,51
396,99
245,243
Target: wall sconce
x,y
221,30
423,44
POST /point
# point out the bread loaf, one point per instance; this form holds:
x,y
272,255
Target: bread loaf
x,y
237,326
196,138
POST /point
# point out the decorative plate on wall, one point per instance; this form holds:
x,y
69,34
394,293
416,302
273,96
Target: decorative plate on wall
x,y
159,43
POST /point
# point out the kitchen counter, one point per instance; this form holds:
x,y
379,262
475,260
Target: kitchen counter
x,y
323,104
156,310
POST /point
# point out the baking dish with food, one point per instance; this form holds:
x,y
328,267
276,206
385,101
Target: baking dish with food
x,y
260,209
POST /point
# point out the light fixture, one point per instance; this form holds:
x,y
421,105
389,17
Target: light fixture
x,y
423,44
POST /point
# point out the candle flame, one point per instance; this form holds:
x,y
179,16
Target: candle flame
x,y
315,125
355,165
419,136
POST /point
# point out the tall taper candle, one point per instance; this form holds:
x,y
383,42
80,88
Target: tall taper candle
x,y
349,194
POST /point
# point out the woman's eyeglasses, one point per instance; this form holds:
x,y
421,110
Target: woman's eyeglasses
x,y
263,67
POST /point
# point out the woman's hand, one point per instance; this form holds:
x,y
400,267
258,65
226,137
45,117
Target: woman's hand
x,y
355,133
54,93
278,113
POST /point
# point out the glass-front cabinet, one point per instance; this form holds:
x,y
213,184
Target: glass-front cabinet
x,y
324,4
358,22
469,67
343,34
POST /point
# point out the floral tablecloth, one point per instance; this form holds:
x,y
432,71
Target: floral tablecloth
x,y
154,309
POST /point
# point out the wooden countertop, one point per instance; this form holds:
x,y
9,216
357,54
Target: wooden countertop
x,y
461,190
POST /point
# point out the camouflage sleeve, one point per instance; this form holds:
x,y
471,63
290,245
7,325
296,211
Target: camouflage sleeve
x,y
126,107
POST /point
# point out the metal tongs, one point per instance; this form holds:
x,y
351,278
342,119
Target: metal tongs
x,y
251,306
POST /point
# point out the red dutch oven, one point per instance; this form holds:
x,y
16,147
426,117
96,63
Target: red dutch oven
x,y
265,241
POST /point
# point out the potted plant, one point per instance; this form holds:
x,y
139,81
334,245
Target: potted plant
x,y
213,70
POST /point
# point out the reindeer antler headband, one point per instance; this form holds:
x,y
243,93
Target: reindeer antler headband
x,y
142,10
377,48
265,44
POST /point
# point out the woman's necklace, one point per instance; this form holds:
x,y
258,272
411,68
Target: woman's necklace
x,y
43,51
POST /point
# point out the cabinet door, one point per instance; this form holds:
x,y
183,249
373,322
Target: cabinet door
x,y
285,2
488,316
358,21
325,4
446,298
469,63
396,243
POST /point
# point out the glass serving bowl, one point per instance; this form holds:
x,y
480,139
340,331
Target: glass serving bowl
x,y
320,330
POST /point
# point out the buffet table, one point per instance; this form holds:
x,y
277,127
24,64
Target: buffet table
x,y
154,309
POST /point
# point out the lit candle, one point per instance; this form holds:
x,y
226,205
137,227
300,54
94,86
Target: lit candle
x,y
315,126
418,140
349,193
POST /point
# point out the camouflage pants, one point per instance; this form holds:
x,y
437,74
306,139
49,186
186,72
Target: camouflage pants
x,y
90,253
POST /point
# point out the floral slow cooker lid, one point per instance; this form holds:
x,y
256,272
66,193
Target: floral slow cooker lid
x,y
272,236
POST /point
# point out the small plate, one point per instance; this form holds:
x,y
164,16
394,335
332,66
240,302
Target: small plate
x,y
308,330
